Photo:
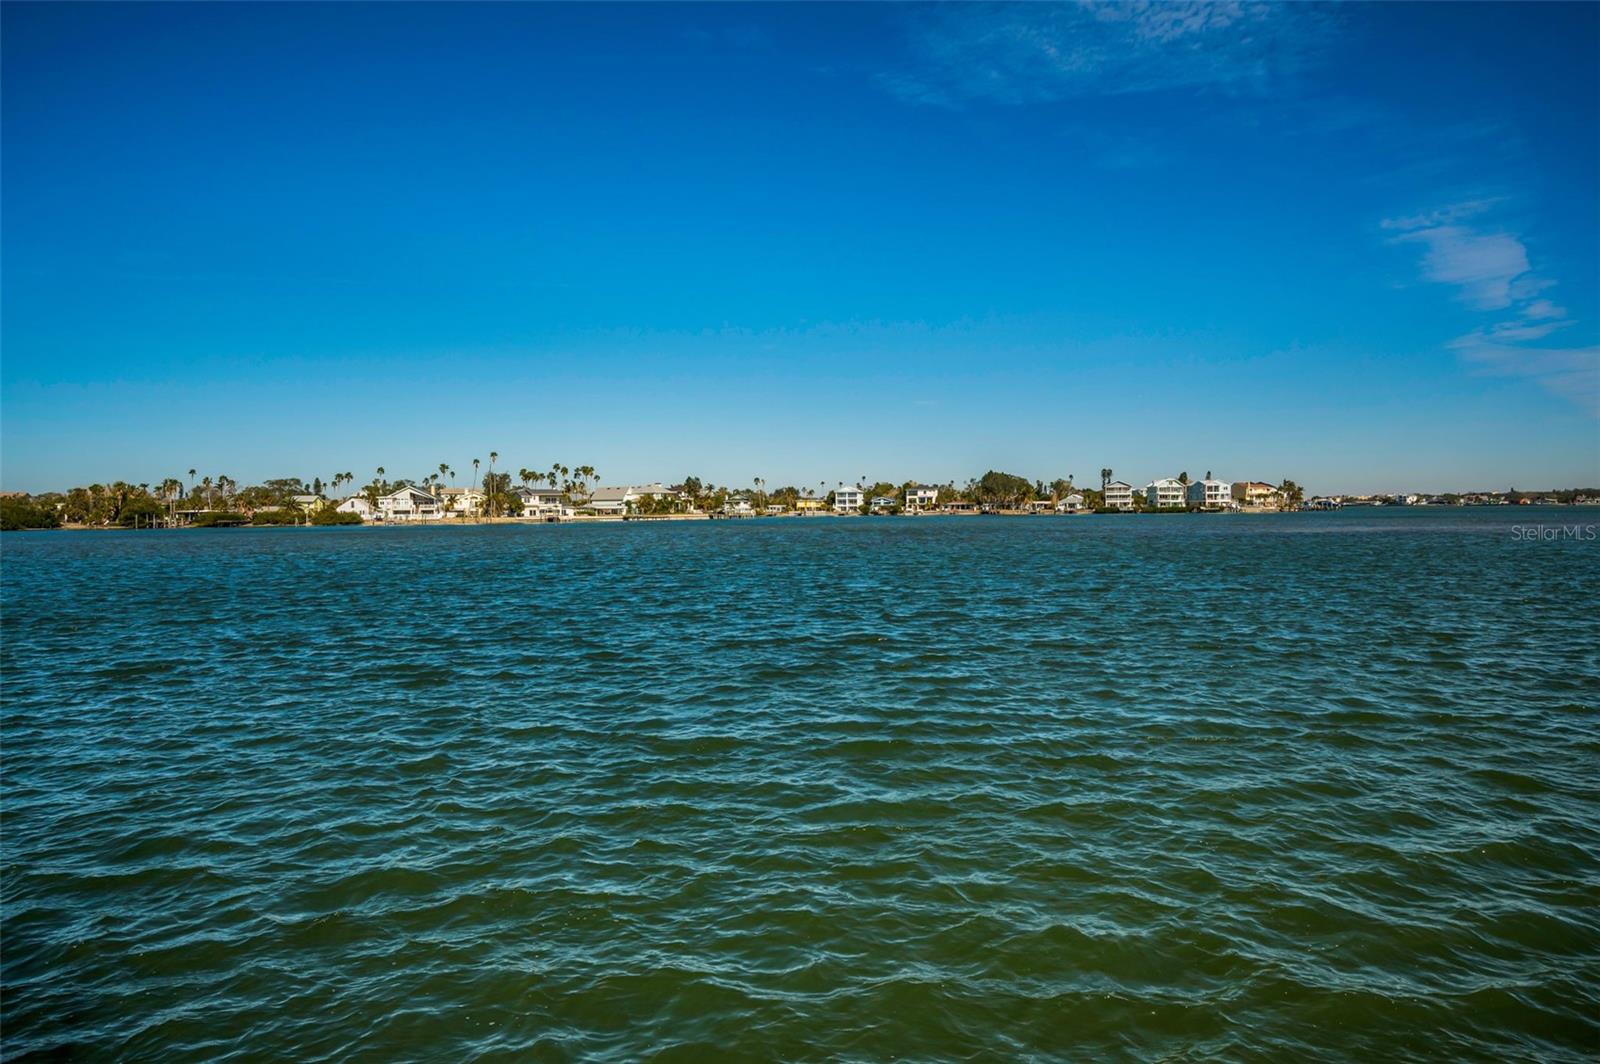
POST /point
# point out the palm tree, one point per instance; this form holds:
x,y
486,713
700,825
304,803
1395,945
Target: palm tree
x,y
1105,478
191,483
493,456
170,489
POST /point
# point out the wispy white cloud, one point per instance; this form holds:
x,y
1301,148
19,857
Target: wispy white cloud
x,y
1483,265
1571,372
1038,52
1539,309
1491,272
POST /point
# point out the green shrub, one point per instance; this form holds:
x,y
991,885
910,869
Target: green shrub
x,y
142,512
330,516
275,517
18,514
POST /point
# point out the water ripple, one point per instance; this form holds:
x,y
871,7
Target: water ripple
x,y
1319,786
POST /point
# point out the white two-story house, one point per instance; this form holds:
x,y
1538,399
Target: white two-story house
x,y
921,497
409,504
461,502
1164,493
542,502
847,500
1119,495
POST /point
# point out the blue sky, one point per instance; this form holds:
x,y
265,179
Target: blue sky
x,y
1355,246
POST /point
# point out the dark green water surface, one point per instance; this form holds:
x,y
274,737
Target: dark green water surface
x,y
1305,787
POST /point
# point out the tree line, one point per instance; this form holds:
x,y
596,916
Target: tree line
x,y
219,499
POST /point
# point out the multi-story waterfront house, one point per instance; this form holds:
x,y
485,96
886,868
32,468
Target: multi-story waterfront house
x,y
1119,495
1164,493
1255,493
1211,494
461,502
847,500
542,502
921,497
410,503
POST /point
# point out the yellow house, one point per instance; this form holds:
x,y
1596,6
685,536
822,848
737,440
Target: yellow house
x,y
809,506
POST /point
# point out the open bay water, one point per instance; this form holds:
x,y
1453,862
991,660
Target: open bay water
x,y
1308,786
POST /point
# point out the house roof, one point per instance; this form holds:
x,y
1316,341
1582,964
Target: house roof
x,y
611,494
1119,484
457,492
409,489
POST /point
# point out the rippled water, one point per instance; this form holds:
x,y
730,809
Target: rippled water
x,y
1306,786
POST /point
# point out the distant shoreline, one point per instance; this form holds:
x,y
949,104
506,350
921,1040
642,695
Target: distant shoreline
x,y
612,519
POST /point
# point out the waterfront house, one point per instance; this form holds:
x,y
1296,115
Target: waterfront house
x,y
882,504
542,502
959,506
1211,494
309,504
1119,495
1070,505
847,500
611,500
809,506
358,505
618,500
1164,493
1255,493
1038,506
409,504
461,502
921,497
